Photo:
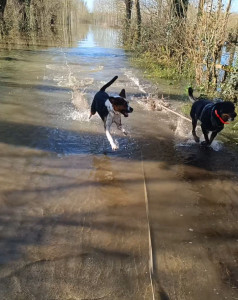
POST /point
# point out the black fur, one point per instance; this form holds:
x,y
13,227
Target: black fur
x,y
98,104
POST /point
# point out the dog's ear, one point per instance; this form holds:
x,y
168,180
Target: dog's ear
x,y
218,107
123,93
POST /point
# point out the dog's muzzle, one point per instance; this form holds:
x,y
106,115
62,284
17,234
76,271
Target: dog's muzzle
x,y
130,109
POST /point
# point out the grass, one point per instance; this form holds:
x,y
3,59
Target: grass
x,y
155,68
185,109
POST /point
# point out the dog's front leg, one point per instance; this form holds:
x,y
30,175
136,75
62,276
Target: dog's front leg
x,y
110,139
213,135
117,121
205,133
122,129
108,124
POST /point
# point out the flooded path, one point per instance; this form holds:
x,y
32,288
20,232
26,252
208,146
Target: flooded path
x,y
73,217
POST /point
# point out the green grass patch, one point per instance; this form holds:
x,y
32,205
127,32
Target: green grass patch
x,y
185,109
155,68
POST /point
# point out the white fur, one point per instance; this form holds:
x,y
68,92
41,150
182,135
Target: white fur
x,y
112,117
109,106
108,123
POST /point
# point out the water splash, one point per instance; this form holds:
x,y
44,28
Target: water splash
x,y
182,129
82,111
135,80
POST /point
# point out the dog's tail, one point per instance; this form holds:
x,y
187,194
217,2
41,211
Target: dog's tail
x,y
190,94
108,84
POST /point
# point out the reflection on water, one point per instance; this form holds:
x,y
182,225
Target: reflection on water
x,y
101,37
61,37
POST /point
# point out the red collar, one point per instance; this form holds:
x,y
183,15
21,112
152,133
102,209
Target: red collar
x,y
216,113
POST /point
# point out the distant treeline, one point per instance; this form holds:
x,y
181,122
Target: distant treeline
x,y
40,17
109,12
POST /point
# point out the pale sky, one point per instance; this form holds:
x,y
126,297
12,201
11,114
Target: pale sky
x,y
90,4
234,6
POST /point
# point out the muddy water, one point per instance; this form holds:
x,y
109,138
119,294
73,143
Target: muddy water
x,y
73,218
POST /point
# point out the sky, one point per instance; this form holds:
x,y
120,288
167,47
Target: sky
x,y
234,6
90,4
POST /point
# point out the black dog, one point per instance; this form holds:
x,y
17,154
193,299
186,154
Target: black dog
x,y
212,115
110,110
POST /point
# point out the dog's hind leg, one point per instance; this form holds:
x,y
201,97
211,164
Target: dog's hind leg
x,y
196,138
93,108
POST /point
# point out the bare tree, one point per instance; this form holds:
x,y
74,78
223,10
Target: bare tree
x,y
180,8
138,18
2,8
128,11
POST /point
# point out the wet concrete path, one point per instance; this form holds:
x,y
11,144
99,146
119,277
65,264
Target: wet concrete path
x,y
72,228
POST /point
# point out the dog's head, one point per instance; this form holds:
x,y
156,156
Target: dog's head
x,y
226,110
120,104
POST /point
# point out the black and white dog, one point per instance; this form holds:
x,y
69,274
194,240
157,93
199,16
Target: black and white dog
x,y
212,115
110,109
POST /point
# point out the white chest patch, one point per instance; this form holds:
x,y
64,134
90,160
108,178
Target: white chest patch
x,y
109,106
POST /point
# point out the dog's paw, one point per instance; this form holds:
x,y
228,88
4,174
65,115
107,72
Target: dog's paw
x,y
115,147
196,139
204,144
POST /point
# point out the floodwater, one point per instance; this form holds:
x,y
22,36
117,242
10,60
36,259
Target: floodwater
x,y
156,219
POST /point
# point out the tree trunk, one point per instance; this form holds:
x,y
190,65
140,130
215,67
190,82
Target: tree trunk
x,y
138,18
180,8
2,8
24,11
128,11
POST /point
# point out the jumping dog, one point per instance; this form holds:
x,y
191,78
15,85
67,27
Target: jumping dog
x,y
110,109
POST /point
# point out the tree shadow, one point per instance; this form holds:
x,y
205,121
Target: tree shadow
x,y
69,142
40,87
75,247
